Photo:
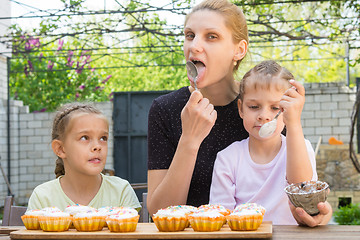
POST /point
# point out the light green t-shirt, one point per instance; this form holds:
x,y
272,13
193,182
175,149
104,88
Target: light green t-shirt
x,y
114,192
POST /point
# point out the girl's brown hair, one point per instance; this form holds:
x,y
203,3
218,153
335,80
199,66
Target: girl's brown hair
x,y
61,123
265,75
234,19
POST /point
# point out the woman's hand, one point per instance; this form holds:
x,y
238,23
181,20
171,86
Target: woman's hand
x,y
197,117
302,218
292,103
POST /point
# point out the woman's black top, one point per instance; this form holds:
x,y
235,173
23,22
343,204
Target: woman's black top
x,y
164,131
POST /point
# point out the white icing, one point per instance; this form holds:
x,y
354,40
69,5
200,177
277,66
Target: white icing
x,y
51,209
123,216
56,214
34,212
249,206
245,212
208,213
169,213
74,209
89,214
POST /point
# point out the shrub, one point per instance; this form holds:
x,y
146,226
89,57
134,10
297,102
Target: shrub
x,y
348,215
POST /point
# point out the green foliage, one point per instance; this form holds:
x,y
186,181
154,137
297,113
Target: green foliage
x,y
348,215
76,58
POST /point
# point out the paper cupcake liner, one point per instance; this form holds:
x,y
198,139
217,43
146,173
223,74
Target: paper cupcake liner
x,y
54,224
170,224
122,225
245,223
89,224
206,224
31,222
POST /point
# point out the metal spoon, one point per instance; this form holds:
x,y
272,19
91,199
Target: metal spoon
x,y
269,128
192,70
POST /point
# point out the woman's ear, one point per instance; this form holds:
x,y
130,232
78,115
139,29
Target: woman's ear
x,y
240,108
241,50
57,147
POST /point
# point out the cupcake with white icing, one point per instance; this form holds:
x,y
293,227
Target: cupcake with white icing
x,y
215,207
78,208
170,219
31,219
125,220
89,221
55,221
250,206
206,220
246,217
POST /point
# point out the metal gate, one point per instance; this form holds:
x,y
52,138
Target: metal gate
x,y
130,117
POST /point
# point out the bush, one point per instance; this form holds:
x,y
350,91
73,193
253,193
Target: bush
x,y
348,215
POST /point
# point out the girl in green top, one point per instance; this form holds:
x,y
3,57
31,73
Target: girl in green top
x,y
80,140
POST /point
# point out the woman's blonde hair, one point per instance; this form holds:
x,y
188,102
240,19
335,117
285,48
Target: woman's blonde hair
x,y
61,122
265,75
234,19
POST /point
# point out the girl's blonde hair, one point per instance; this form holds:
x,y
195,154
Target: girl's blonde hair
x,y
265,75
61,122
234,19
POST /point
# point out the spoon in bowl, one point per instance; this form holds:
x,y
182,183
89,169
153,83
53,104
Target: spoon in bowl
x,y
269,128
193,72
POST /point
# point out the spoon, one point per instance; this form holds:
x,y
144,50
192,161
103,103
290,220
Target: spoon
x,y
192,70
269,128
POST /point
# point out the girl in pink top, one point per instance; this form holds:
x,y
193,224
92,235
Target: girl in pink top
x,y
257,169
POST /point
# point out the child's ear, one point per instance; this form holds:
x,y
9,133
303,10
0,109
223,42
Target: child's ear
x,y
57,147
241,50
240,108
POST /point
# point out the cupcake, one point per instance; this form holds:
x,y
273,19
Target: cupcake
x,y
78,208
187,209
55,221
89,221
215,207
206,221
31,219
170,220
246,217
250,206
125,220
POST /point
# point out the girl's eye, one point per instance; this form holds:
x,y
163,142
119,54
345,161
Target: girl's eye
x,y
84,138
253,107
276,108
104,138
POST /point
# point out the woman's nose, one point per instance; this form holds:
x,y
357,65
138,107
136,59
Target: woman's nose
x,y
196,45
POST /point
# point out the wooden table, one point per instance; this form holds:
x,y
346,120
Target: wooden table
x,y
328,232
335,232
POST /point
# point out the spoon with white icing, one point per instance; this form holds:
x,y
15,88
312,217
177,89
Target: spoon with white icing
x,y
193,72
269,128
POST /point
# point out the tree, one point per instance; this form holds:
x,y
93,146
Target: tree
x,y
44,76
141,51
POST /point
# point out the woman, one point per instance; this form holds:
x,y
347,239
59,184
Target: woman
x,y
188,127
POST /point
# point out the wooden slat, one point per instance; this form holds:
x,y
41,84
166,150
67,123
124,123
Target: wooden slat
x,y
146,231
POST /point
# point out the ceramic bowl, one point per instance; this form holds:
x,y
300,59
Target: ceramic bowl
x,y
307,195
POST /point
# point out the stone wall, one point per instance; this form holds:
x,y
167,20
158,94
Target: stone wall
x,y
335,167
32,160
326,113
